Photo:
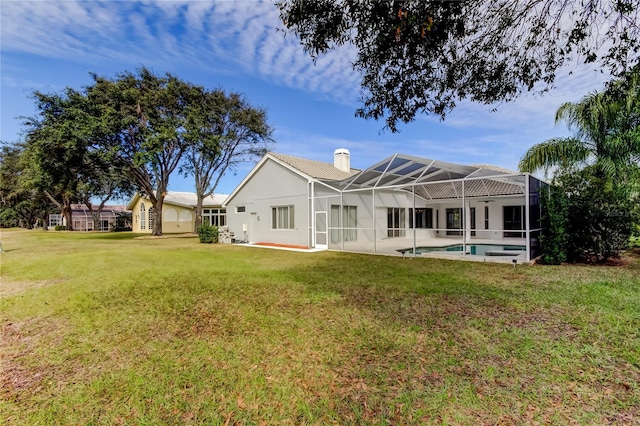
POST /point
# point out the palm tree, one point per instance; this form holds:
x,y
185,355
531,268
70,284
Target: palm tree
x,y
606,127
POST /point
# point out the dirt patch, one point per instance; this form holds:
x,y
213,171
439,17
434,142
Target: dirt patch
x,y
19,341
628,259
12,288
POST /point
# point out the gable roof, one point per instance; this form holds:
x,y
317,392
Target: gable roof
x,y
307,169
186,199
315,169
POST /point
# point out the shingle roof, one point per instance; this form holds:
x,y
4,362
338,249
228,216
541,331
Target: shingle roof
x,y
315,169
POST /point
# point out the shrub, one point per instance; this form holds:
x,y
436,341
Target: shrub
x,y
554,219
60,228
589,218
208,234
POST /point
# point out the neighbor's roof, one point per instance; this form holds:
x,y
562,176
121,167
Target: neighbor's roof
x,y
190,199
107,208
186,199
315,169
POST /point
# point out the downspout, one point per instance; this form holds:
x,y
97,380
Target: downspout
x,y
527,226
312,209
464,221
413,190
373,192
341,214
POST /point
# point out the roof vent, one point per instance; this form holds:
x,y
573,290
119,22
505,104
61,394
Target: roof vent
x,y
341,160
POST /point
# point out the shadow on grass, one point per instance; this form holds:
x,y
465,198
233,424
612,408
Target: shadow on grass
x,y
115,236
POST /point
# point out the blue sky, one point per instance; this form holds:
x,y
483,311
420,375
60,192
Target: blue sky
x,y
236,45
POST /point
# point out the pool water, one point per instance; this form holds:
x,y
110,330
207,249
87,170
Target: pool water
x,y
473,249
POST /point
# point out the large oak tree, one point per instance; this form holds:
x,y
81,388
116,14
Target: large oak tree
x,y
142,118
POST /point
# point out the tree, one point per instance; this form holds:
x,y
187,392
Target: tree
x,y
223,130
20,204
57,147
421,56
606,129
142,121
590,211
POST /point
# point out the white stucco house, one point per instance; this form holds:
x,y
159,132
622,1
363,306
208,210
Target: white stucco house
x,y
402,205
178,212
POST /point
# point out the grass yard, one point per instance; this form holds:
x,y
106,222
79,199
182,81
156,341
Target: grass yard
x,y
106,329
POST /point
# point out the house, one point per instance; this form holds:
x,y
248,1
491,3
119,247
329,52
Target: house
x,y
178,212
83,221
402,205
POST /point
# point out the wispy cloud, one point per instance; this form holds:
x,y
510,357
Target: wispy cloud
x,y
222,36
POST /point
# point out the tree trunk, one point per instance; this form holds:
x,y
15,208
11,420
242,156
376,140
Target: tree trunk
x,y
68,216
65,209
157,214
198,221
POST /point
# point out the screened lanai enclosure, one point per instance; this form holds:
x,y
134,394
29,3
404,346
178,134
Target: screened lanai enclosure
x,y
410,206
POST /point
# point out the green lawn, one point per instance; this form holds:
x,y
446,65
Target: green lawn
x,y
106,329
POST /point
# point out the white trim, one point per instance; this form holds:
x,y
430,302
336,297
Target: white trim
x,y
257,167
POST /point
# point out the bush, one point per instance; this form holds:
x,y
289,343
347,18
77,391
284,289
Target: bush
x,y
60,228
588,218
555,224
208,234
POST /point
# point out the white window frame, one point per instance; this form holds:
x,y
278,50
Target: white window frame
x,y
216,217
143,216
150,217
282,217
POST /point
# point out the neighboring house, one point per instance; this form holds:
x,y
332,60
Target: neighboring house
x,y
83,221
403,204
178,212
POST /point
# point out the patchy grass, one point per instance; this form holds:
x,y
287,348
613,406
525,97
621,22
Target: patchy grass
x,y
108,329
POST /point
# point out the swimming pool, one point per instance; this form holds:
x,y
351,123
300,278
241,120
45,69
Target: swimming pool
x,y
473,249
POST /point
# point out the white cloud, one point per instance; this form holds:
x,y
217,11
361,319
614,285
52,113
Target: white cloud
x,y
227,36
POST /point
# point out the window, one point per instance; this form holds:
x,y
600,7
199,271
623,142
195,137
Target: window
x,y
282,217
241,209
143,216
150,217
454,221
424,218
396,222
349,223
513,220
104,225
486,217
55,220
215,217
